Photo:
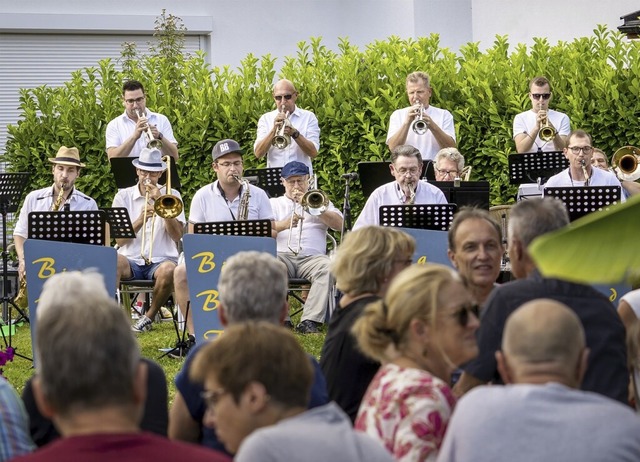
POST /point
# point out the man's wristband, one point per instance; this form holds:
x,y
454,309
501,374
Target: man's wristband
x,y
295,135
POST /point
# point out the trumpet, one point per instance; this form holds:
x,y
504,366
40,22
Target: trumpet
x,y
315,203
419,126
281,140
152,143
546,132
625,163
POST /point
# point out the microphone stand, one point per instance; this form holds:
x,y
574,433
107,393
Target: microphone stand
x,y
346,209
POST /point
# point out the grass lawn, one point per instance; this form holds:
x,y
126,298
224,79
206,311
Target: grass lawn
x,y
163,335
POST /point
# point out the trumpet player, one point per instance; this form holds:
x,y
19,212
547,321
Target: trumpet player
x,y
527,125
580,171
302,242
66,170
438,132
138,127
152,254
406,168
299,128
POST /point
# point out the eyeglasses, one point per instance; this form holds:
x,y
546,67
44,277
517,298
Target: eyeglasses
x,y
446,172
462,315
133,101
279,97
404,171
586,149
236,164
541,95
212,397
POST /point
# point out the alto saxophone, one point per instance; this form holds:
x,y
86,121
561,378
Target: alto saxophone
x,y
412,194
243,208
58,202
583,165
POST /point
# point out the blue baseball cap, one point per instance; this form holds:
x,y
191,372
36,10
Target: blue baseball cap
x,y
294,168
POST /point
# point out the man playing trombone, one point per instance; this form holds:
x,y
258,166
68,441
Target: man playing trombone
x,y
153,253
540,128
302,221
137,128
289,132
421,125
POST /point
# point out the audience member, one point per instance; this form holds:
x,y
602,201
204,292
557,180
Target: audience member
x,y
422,330
607,372
14,424
364,265
629,308
541,414
257,380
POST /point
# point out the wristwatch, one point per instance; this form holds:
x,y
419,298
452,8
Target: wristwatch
x,y
295,135
160,136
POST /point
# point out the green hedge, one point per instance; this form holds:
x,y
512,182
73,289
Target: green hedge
x,y
596,81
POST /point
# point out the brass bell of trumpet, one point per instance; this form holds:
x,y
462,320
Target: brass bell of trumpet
x,y
546,132
419,126
152,143
625,162
281,140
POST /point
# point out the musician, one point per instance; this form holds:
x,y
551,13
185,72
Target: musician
x,y
311,261
301,125
63,194
579,150
599,160
406,167
448,164
526,125
160,235
440,133
221,201
127,134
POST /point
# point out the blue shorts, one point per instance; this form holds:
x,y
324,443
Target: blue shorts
x,y
144,272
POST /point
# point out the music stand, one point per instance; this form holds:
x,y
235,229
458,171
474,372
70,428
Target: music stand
x,y
375,174
81,227
124,173
422,216
12,186
535,167
580,201
269,179
256,228
467,193
119,222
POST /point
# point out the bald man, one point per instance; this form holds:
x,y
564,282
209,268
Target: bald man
x,y
299,124
541,414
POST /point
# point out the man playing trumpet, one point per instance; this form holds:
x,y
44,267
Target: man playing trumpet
x,y
131,132
298,126
152,254
302,242
66,170
438,131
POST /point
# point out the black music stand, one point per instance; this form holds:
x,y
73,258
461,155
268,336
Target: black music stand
x,y
375,174
125,175
581,201
269,179
120,226
12,187
81,227
256,228
421,216
535,167
466,193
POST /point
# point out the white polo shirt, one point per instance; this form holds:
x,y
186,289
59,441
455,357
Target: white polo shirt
x,y
392,194
305,122
122,127
164,247
426,143
209,205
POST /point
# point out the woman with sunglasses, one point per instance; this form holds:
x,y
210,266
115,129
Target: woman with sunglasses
x,y
422,330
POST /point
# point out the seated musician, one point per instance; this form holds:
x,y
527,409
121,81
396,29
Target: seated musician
x,y
302,242
153,253
66,170
406,167
448,164
580,171
599,159
226,199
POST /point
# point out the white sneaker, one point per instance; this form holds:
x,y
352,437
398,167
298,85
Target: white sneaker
x,y
144,324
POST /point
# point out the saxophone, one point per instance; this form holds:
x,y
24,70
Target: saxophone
x,y
58,202
584,172
243,208
412,194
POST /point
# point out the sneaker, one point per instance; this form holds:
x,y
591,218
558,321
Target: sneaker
x,y
165,314
135,315
288,324
181,351
143,325
308,327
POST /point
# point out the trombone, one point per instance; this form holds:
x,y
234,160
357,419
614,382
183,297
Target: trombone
x,y
419,126
165,206
281,140
315,203
625,163
152,143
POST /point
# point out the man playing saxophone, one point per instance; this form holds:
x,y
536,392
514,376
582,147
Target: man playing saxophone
x,y
152,254
222,200
66,170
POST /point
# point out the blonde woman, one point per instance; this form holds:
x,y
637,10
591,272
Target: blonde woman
x,y
422,330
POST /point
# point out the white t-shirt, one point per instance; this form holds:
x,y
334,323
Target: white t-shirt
x,y
526,121
122,127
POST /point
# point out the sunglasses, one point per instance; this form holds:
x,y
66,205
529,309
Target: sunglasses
x,y
541,95
462,315
279,97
